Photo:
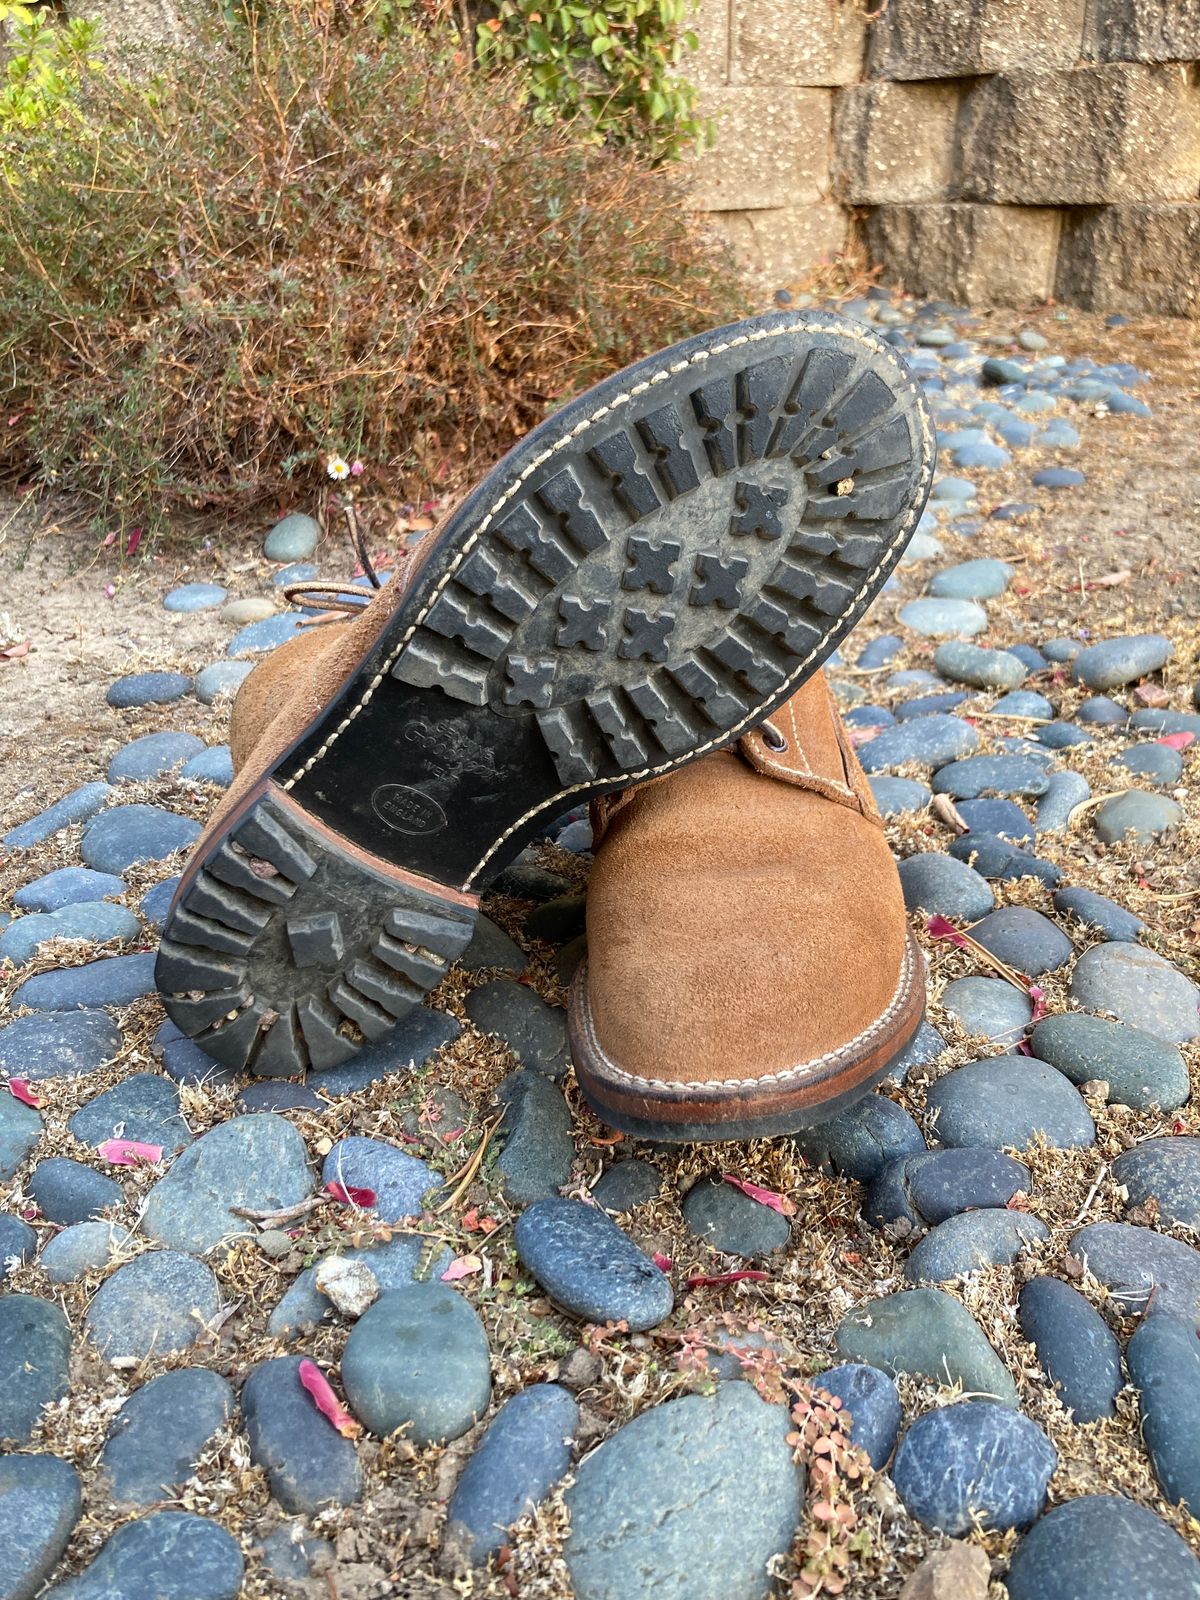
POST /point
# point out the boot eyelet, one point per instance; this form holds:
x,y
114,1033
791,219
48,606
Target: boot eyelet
x,y
773,739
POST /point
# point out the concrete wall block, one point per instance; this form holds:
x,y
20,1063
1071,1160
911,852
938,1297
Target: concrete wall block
x,y
812,43
979,255
1133,258
772,148
777,247
708,66
1101,134
959,38
895,141
1142,30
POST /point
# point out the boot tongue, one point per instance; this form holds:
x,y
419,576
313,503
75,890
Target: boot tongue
x,y
802,743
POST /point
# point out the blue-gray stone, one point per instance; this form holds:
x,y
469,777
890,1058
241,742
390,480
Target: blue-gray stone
x,y
985,456
1137,1265
879,652
157,1304
943,886
1150,721
526,879
1156,762
1058,435
156,902
213,765
1000,369
35,1347
185,1062
40,1503
926,705
119,838
1022,702
77,806
418,1359
296,572
1164,1365
17,1242
1008,1102
399,1181
990,1007
307,1461
872,1402
732,1222
407,1047
1031,404
1065,791
534,1031
293,538
1102,1547
79,1249
626,1184
925,1045
1126,404
113,981
953,489
1016,434
1061,649
1140,1070
157,1438
998,859
990,1236
915,678
257,1161
152,755
1098,913
1061,735
585,1263
929,1188
257,637
96,921
490,946
869,716
171,1555
143,1107
1138,814
538,1149
858,1142
20,1127
278,1094
1102,712
1077,1349
926,741
1137,986
972,580
524,1453
1013,511
972,1465
222,678
1167,1171
921,547
1024,940
1000,817
1031,339
897,796
195,597
991,775
67,886
927,1333
732,1491
395,1263
148,689
944,619
1115,662
67,1191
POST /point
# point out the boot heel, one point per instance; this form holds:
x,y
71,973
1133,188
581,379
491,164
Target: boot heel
x,y
288,948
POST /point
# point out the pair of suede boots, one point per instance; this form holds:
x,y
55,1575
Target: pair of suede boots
x,y
631,609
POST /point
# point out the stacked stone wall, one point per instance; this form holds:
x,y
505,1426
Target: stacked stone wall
x,y
983,150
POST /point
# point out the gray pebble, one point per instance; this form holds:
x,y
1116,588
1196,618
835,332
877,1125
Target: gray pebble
x,y
157,1304
1009,1101
1140,987
1075,1346
587,1265
1140,1070
156,1439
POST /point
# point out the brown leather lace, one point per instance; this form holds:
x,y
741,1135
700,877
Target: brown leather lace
x,y
333,602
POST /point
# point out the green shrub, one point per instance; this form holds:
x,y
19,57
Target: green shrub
x,y
43,68
322,243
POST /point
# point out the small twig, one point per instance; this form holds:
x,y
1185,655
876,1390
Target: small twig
x,y
462,1178
288,1213
1100,1177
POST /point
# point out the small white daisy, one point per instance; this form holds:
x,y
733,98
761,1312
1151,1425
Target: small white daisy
x,y
338,469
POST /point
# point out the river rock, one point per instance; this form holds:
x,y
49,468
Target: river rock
x,y
1140,987
398,1181
589,1266
971,1465
1134,1263
1164,1364
984,669
973,1239
157,1304
1115,662
67,886
857,1143
1024,940
308,1462
538,1150
35,1347
160,1433
1004,776
990,1007
1009,1101
732,1222
1075,1346
925,1332
940,885
170,1555
926,742
534,1031
1166,1171
20,1127
1099,914
40,1503
1139,815
1102,1547
123,836
1140,1070
77,806
872,1402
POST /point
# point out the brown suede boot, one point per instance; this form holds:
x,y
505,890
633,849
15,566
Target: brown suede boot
x,y
750,968
641,581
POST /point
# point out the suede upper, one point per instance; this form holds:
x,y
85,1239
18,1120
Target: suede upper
x,y
744,914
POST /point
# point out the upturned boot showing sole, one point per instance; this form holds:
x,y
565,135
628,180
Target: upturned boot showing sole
x,y
750,969
639,582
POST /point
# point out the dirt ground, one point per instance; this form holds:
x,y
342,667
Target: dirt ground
x,y
1120,555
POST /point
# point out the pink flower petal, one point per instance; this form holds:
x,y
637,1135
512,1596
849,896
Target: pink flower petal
x,y
326,1402
20,1090
663,1263
940,928
350,1197
129,1152
1177,741
765,1197
462,1267
135,539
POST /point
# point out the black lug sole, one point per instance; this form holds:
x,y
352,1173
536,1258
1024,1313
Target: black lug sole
x,y
644,578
